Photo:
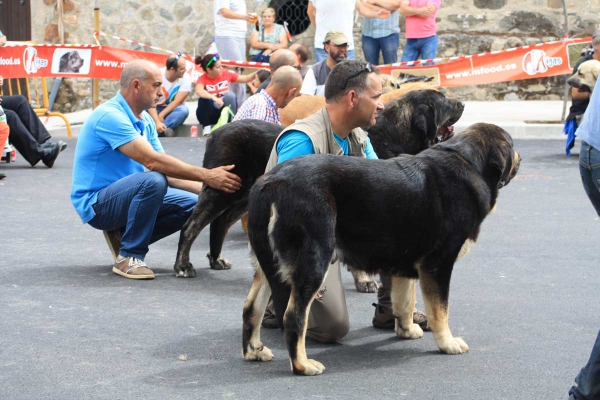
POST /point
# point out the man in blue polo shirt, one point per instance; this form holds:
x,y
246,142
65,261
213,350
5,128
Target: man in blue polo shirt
x,y
124,183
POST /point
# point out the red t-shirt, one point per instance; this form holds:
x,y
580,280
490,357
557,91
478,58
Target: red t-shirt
x,y
219,85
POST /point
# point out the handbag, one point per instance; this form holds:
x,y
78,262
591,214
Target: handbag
x,y
225,117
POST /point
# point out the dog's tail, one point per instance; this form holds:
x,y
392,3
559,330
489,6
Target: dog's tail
x,y
262,215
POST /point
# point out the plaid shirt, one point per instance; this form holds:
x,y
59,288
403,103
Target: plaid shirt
x,y
260,106
377,28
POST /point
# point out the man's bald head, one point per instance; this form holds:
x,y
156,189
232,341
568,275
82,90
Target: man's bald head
x,y
282,57
137,69
285,85
286,77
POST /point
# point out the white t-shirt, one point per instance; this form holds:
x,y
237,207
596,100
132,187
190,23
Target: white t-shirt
x,y
310,85
170,89
334,14
236,28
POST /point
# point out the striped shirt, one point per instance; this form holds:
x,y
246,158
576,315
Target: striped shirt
x,y
260,106
377,28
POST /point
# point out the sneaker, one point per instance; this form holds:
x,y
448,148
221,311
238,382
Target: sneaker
x,y
50,154
132,268
2,176
384,318
169,132
206,131
113,240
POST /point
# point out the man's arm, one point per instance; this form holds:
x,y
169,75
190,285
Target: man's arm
x,y
311,11
293,144
422,12
189,186
390,5
141,151
577,95
369,11
177,101
160,126
227,13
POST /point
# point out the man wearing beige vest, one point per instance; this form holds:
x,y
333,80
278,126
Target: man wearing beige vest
x,y
352,95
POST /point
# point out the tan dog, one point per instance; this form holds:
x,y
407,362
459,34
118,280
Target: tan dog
x,y
389,83
304,106
586,76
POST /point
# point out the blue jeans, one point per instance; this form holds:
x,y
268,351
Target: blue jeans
x,y
424,48
387,45
588,379
589,169
176,116
146,206
321,54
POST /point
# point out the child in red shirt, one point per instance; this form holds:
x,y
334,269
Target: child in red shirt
x,y
212,89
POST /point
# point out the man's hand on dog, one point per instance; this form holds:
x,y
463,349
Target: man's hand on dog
x,y
220,178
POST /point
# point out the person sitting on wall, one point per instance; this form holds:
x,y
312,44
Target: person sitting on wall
x,y
213,91
303,55
270,37
171,111
261,76
27,133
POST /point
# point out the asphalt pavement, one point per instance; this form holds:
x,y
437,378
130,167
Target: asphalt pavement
x,y
525,300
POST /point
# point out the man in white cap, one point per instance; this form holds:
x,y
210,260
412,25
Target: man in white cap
x,y
336,46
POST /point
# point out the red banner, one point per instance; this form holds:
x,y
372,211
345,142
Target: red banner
x,y
104,62
536,61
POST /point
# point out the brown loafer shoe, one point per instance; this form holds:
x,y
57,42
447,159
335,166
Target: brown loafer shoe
x,y
113,240
132,268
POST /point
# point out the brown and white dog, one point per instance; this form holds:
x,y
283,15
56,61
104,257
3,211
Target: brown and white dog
x,y
586,76
412,217
303,106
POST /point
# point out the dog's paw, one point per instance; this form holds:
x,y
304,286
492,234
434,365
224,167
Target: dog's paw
x,y
261,354
366,286
220,264
413,332
309,368
185,271
454,346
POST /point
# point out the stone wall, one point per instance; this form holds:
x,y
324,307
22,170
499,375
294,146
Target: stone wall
x,y
465,27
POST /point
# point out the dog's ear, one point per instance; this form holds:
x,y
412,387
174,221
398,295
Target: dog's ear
x,y
63,62
424,121
500,163
595,72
